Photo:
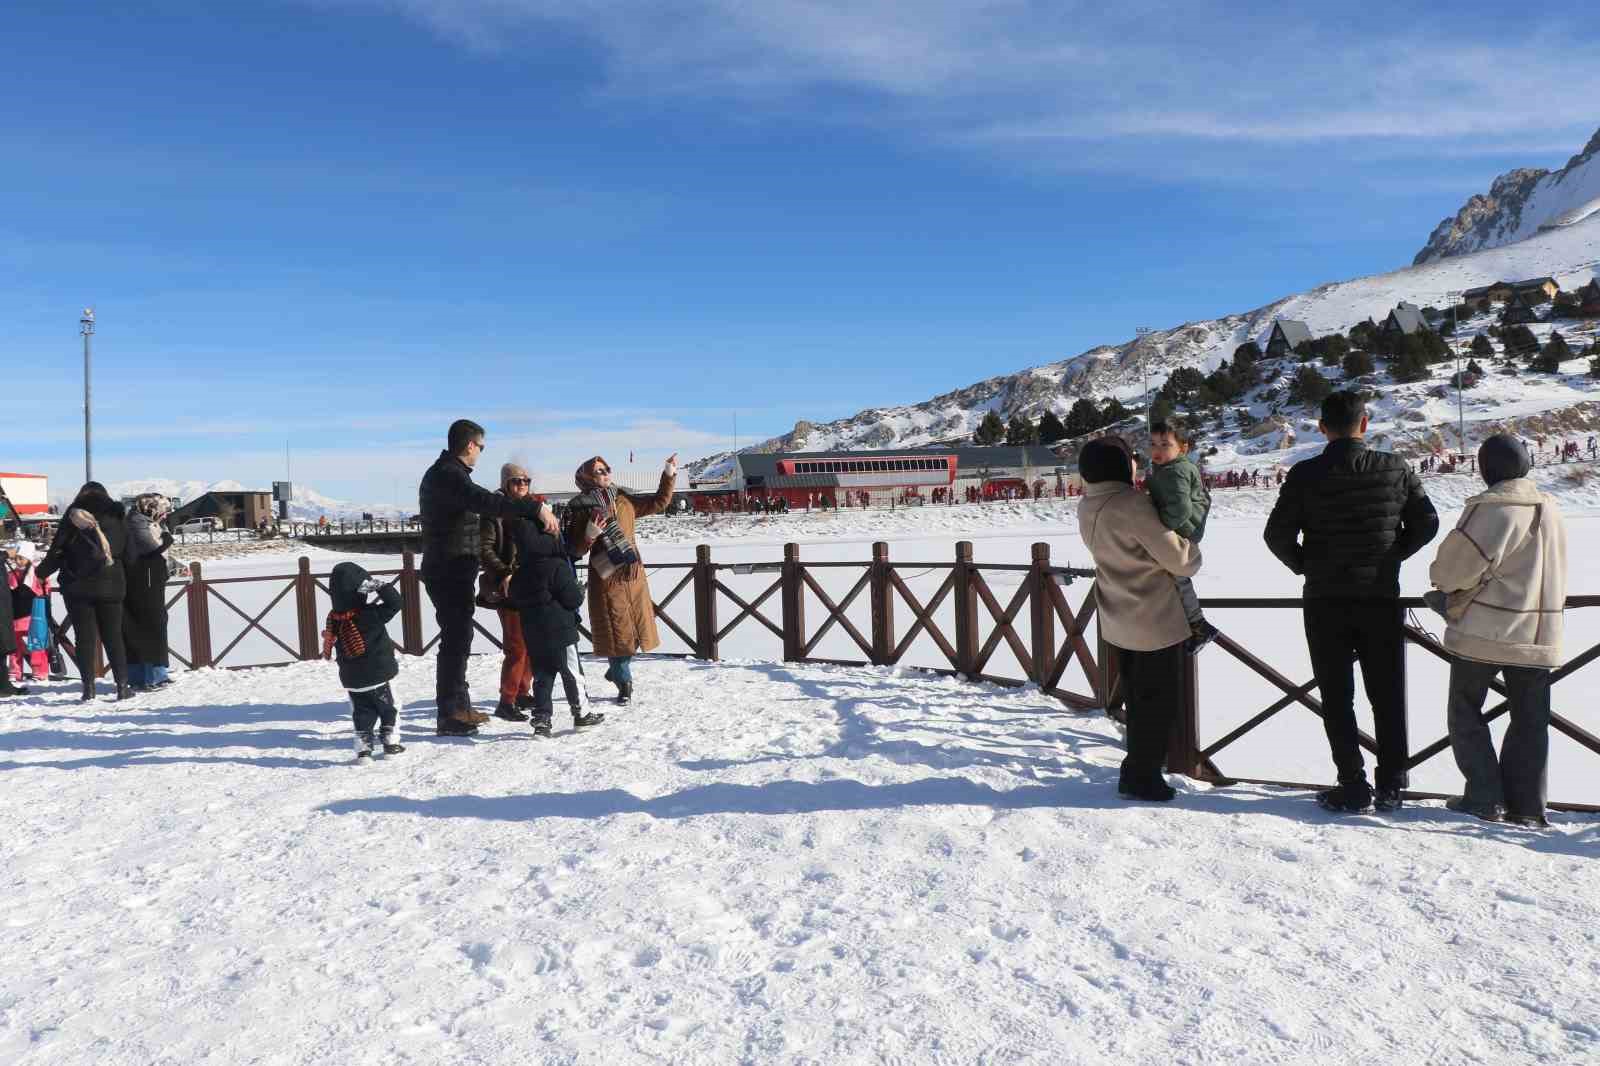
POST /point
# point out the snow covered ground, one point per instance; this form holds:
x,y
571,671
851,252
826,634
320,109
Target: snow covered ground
x,y
768,863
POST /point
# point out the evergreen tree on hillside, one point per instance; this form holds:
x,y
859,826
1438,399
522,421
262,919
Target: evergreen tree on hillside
x,y
1050,428
1308,386
1482,347
1021,430
1552,355
1160,411
1410,365
1520,342
1083,417
1249,351
990,431
1358,363
1114,412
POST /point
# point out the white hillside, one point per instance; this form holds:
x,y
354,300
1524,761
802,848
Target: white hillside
x,y
1567,253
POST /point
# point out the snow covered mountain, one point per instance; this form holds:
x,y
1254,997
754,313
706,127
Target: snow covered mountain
x,y
1568,253
1520,203
307,506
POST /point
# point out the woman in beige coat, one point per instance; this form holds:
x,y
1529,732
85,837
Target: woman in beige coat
x,y
1141,616
1502,573
600,523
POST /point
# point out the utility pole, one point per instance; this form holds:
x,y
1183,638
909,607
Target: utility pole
x,y
1143,343
1455,346
86,327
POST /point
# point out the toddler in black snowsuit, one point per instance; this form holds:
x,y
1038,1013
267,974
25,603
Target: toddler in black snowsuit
x,y
356,633
545,592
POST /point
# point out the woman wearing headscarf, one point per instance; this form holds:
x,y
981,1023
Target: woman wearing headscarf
x,y
88,551
144,618
1141,614
599,522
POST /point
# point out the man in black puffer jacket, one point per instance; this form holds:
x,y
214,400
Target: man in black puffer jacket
x,y
451,506
1346,520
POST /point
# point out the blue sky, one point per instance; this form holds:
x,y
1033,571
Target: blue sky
x,y
603,226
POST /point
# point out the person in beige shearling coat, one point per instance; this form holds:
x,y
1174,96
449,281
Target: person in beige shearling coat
x,y
1503,575
1141,615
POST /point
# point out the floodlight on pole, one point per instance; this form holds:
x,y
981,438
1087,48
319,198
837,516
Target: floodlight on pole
x,y
1454,296
86,328
1143,333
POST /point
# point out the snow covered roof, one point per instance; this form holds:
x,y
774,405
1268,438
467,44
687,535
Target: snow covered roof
x,y
1295,333
1407,318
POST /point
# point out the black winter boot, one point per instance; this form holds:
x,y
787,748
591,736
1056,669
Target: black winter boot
x,y
7,688
541,724
580,720
624,692
508,712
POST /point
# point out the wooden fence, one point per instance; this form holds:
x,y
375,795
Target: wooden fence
x,y
1057,633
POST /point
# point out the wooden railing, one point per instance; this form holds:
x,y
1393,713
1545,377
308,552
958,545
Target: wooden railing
x,y
1057,633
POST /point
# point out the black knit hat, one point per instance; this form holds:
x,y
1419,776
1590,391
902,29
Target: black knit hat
x,y
1106,459
1501,457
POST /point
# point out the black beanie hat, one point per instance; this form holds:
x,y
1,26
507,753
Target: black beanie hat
x,y
1502,456
1106,459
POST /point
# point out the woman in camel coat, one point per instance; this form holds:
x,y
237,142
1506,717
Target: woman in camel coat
x,y
599,523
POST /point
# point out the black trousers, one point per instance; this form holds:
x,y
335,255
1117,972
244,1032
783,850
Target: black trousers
x,y
549,664
451,587
1369,631
1516,779
1151,683
373,707
100,620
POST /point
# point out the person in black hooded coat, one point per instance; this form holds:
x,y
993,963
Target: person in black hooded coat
x,y
144,616
88,551
545,591
7,634
357,630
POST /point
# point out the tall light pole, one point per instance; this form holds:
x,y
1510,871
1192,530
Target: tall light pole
x,y
1143,333
1454,297
86,327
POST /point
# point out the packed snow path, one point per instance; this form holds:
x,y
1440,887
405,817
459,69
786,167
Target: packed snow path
x,y
753,864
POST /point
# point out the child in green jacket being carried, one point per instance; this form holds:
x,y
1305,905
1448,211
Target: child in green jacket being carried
x,y
1180,497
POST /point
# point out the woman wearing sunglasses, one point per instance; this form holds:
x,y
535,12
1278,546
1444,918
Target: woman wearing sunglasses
x,y
497,553
599,523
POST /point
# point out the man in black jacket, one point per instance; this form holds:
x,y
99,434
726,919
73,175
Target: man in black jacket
x,y
450,505
1346,520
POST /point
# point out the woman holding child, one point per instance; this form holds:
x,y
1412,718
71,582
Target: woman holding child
x,y
599,523
1136,560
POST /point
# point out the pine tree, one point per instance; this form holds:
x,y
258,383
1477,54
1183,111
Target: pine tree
x,y
1021,430
1308,386
1552,355
1357,364
1483,347
1051,428
1083,417
990,431
1114,412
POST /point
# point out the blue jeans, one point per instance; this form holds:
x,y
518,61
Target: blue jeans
x,y
142,675
621,669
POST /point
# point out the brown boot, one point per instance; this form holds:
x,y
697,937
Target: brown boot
x,y
467,716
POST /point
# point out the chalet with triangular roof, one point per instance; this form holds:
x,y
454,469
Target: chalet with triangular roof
x,y
1518,311
1536,290
1589,299
1405,319
1287,335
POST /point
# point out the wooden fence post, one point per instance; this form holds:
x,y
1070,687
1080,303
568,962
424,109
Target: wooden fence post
x,y
1183,746
1042,615
1110,674
794,605
705,603
410,605
966,612
305,609
882,592
199,619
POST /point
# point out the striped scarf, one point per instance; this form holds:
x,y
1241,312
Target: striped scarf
x,y
341,629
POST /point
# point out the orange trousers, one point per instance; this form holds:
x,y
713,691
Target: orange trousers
x,y
516,673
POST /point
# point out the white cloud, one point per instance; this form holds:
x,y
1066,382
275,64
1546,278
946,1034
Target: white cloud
x,y
1031,76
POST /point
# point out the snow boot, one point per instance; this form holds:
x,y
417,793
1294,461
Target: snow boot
x,y
390,745
624,692
507,711
541,724
451,727
1346,799
1489,812
363,742
580,720
525,703
125,692
7,688
1388,799
1155,789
